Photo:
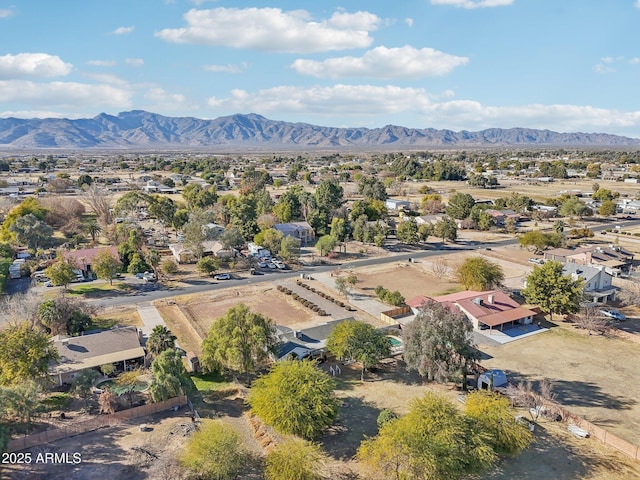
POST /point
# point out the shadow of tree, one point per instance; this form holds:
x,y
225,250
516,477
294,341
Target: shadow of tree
x,y
579,394
356,420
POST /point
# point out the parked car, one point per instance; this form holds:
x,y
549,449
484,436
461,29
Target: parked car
x,y
262,264
48,284
616,315
537,261
222,276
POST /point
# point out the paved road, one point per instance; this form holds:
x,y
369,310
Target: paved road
x,y
160,292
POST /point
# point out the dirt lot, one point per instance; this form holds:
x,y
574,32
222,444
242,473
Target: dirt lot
x,y
555,454
593,375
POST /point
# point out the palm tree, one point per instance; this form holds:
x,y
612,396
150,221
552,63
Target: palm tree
x,y
161,339
93,229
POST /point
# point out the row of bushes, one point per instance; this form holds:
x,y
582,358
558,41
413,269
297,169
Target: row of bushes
x,y
307,303
326,296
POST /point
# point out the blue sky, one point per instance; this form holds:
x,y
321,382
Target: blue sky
x,y
568,65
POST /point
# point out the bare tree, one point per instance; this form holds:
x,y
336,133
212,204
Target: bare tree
x,y
630,293
591,320
17,308
441,269
541,403
99,201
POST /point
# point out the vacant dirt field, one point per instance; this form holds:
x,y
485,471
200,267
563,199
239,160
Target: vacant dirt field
x,y
593,376
554,454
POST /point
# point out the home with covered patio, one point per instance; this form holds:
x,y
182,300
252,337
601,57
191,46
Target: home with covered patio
x,y
490,309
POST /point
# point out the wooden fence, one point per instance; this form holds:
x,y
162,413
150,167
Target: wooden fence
x,y
390,316
100,421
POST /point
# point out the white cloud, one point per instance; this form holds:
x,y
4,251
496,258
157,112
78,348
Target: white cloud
x,y
102,63
271,29
38,114
123,30
162,101
467,114
230,68
64,94
383,62
343,100
6,12
603,68
134,62
470,4
634,60
409,21
38,65
637,4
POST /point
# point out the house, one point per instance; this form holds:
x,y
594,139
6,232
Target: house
x,y
301,231
309,342
615,259
120,346
488,309
83,259
183,254
500,217
395,204
598,286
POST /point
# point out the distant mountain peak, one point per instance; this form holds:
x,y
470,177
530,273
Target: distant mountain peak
x,y
139,129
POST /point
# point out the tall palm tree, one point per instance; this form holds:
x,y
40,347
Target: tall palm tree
x,y
93,229
161,339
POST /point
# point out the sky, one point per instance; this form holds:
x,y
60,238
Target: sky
x,y
562,65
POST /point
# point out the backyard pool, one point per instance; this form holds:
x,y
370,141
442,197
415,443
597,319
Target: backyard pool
x,y
395,341
140,386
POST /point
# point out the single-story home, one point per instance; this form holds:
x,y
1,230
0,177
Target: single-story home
x,y
309,342
301,231
183,254
395,204
488,309
83,258
118,346
615,259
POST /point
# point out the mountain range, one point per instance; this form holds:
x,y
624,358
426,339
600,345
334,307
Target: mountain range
x,y
142,130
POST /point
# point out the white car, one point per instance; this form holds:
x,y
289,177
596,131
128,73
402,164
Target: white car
x,y
616,315
222,276
537,261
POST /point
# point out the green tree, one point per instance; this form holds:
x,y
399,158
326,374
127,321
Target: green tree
x,y
83,383
26,207
127,383
106,266
271,239
295,460
161,339
407,232
162,208
439,343
197,196
424,231
170,378
446,229
240,341
553,291
289,248
93,228
339,229
478,273
65,315
325,244
84,179
169,267
232,238
433,441
137,264
573,207
295,397
359,341
25,354
153,259
608,208
459,205
21,400
214,452
540,240
30,231
207,265
328,195
493,415
61,273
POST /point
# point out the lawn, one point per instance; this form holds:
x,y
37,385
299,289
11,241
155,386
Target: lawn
x,y
210,382
97,289
56,401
